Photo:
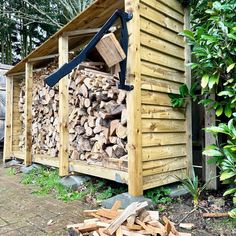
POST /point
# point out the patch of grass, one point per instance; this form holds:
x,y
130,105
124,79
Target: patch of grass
x,y
47,181
11,171
159,195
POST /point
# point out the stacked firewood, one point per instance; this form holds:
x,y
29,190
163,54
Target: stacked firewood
x,y
45,103
97,121
134,220
97,114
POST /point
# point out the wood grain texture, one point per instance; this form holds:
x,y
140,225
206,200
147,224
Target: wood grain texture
x,y
163,33
160,126
158,71
173,4
28,113
159,85
153,181
150,55
161,45
63,111
155,16
8,120
162,166
134,102
161,112
155,98
156,153
160,139
164,9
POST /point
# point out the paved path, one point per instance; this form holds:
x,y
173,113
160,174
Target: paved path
x,y
22,213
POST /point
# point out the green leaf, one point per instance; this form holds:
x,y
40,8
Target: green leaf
x,y
226,175
188,34
226,93
229,191
214,79
183,89
212,153
228,111
219,111
232,36
230,67
204,81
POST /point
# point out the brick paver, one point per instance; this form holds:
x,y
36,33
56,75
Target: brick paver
x,y
22,213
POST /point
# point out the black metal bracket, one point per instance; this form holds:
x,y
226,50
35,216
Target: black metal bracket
x,y
64,70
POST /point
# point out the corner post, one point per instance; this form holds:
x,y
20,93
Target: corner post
x,y
28,113
135,167
63,110
187,53
8,120
210,170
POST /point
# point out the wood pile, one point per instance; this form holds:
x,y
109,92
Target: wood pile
x,y
135,220
45,106
97,114
98,117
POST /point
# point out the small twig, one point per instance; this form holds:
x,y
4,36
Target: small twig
x,y
189,213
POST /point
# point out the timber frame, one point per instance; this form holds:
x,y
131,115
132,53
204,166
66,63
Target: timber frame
x,y
159,137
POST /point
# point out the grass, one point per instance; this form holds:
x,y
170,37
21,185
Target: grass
x,y
47,181
11,171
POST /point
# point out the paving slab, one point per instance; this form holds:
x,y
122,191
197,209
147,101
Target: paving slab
x,y
22,213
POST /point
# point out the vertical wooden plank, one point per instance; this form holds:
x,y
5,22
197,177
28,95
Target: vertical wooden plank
x,y
8,120
187,53
134,102
28,113
210,170
63,111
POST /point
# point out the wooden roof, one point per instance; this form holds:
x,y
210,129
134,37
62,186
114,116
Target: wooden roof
x,y
92,17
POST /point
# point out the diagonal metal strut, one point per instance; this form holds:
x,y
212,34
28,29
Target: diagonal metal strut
x,y
64,70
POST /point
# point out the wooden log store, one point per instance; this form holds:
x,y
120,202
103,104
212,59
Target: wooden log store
x,y
86,124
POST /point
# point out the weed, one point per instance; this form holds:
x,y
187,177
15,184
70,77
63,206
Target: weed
x,y
11,171
47,181
193,186
158,195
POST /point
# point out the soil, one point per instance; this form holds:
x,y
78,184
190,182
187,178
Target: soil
x,y
211,202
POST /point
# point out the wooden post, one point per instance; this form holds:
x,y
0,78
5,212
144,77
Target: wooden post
x,y
187,53
28,113
8,120
63,111
135,167
210,170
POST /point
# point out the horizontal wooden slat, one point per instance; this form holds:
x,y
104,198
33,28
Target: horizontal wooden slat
x,y
160,139
159,126
162,166
160,58
154,70
80,167
155,16
159,85
155,98
161,32
101,172
164,9
160,112
163,152
162,179
174,4
161,45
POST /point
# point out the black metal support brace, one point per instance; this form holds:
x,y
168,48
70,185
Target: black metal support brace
x,y
64,70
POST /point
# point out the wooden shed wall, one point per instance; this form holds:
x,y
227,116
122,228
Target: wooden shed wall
x,y
164,150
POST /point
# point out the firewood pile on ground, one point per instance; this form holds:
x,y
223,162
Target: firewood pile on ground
x,y
135,220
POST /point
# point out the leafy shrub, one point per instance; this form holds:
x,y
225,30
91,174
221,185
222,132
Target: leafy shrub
x,y
224,155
